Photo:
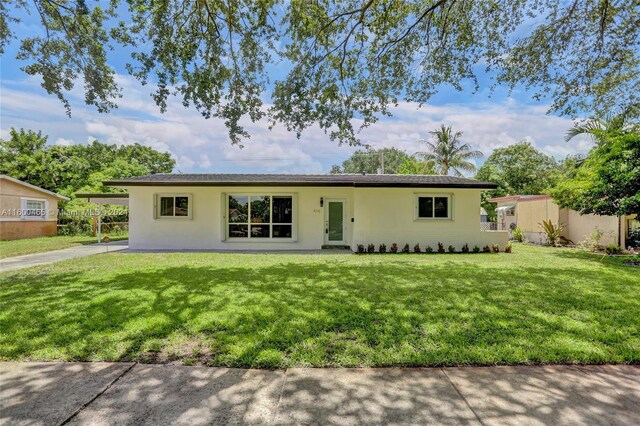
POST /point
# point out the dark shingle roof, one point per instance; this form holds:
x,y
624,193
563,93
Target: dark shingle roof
x,y
358,180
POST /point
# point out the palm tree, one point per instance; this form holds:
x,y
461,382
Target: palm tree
x,y
598,128
449,153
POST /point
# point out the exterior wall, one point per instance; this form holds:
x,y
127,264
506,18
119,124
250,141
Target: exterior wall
x,y
16,230
530,213
387,215
12,226
580,227
380,215
206,229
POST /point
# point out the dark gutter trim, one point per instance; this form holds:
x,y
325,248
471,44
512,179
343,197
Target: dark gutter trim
x,y
306,184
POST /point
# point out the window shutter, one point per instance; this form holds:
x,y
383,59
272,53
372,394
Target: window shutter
x,y
223,216
294,218
155,206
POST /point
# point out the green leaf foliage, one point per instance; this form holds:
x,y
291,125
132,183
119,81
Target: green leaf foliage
x,y
25,155
370,160
608,181
518,169
345,63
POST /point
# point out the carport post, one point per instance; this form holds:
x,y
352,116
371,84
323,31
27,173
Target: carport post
x,y
99,221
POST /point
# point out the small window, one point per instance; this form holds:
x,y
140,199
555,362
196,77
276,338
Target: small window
x,y
433,207
178,206
34,208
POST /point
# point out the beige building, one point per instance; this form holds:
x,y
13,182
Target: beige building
x,y
27,211
301,212
528,211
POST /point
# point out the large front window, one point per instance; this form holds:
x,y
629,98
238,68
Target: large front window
x,y
260,216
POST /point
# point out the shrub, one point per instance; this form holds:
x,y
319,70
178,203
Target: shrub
x,y
416,248
634,237
486,249
476,249
465,248
371,248
440,248
406,249
507,248
394,248
382,248
592,242
496,248
552,231
613,249
517,234
452,249
360,248
428,250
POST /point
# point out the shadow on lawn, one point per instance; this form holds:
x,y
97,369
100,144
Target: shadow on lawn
x,y
451,313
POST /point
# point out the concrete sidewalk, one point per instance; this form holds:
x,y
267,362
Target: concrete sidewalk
x,y
29,260
124,393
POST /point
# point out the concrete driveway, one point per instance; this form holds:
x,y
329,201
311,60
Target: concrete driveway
x,y
133,394
29,260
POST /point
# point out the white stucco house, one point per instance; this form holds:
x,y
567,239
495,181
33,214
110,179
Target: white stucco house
x,y
302,212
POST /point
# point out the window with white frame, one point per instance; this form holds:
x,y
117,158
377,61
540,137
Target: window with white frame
x,y
173,206
260,216
436,206
34,208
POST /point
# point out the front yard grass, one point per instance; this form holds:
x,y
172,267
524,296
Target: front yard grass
x,y
44,244
537,305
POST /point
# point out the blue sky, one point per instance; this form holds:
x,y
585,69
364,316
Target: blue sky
x,y
489,119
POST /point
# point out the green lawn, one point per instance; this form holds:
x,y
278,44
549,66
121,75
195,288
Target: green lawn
x,y
39,245
537,305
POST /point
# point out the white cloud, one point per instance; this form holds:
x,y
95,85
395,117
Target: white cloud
x,y
203,145
64,142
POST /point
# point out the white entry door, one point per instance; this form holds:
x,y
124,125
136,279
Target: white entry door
x,y
334,222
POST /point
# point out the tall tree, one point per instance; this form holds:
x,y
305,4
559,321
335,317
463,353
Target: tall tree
x,y
370,160
607,182
517,169
449,153
344,59
69,169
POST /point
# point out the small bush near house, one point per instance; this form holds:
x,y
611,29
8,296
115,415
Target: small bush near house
x,y
428,249
496,248
552,231
371,248
486,249
507,249
465,248
416,248
592,242
517,234
452,249
476,249
382,248
394,248
440,248
360,248
406,248
613,249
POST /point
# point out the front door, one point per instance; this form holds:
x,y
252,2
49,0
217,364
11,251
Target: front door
x,y
334,223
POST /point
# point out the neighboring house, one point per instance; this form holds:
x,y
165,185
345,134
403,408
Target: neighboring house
x,y
294,212
483,215
527,211
27,211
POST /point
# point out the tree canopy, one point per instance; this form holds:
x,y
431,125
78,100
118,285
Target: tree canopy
x,y
607,182
346,62
517,169
370,160
70,169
